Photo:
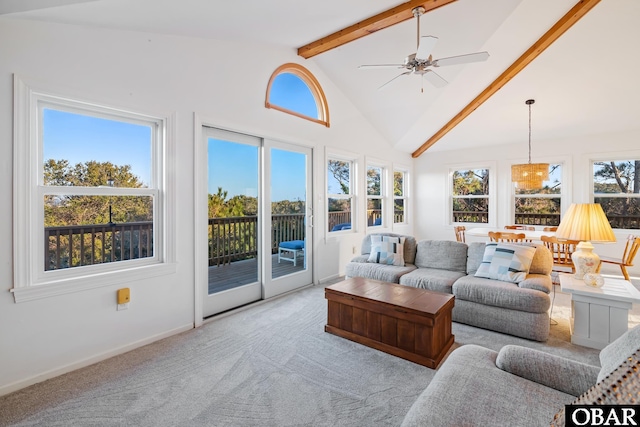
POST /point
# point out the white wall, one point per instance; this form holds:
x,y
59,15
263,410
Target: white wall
x,y
157,75
432,181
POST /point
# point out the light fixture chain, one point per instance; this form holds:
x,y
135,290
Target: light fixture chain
x,y
530,132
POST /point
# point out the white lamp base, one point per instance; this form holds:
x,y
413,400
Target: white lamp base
x,y
585,260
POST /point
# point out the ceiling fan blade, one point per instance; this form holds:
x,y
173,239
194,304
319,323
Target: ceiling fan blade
x,y
435,79
366,67
461,59
427,43
401,74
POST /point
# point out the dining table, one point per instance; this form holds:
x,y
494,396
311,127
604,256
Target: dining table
x,y
529,234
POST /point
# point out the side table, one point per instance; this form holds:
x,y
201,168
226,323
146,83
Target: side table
x,y
599,315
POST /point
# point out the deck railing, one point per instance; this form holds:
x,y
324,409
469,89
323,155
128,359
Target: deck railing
x,y
77,245
230,239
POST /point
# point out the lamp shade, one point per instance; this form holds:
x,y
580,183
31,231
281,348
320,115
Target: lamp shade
x,y
588,223
529,176
585,222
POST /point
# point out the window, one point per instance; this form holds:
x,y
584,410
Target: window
x,y
616,186
292,89
541,206
470,195
399,196
340,197
91,192
375,185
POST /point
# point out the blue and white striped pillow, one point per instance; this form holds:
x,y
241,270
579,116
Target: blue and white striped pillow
x,y
508,263
387,250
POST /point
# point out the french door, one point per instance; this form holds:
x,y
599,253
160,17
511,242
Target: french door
x,y
258,219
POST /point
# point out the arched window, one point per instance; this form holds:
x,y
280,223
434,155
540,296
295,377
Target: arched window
x,y
294,90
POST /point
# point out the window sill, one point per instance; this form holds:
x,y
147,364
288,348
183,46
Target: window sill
x,y
93,281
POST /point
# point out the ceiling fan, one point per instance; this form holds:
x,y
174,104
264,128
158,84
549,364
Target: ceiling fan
x,y
422,61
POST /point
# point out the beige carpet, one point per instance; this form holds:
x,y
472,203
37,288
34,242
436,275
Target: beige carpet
x,y
270,364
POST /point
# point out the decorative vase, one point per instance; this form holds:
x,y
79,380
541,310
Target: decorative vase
x,y
594,280
584,260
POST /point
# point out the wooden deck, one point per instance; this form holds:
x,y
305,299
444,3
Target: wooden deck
x,y
240,273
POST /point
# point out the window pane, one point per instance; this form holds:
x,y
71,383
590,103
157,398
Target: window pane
x,y
86,230
398,184
622,212
398,211
471,182
617,176
339,214
374,212
373,180
291,92
80,150
537,211
339,177
471,210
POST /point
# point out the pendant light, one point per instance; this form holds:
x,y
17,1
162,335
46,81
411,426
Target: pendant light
x,y
529,176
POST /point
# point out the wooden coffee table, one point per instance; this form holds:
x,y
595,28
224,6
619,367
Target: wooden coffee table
x,y
411,323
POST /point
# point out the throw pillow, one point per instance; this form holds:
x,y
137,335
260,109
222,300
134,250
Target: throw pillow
x,y
508,263
387,250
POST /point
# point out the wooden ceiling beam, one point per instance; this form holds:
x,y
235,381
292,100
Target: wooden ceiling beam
x,y
567,21
370,25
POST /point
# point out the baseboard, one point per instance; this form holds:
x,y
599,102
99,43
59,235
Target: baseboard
x,y
18,385
328,279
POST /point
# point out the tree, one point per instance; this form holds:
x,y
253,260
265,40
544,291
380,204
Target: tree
x,y
342,173
620,178
83,210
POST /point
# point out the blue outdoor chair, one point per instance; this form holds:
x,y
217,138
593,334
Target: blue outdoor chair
x,y
294,247
343,226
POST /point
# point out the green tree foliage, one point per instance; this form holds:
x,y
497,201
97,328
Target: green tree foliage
x,y
341,172
83,210
472,182
619,178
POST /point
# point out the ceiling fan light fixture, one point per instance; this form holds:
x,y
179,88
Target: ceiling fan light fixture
x,y
529,176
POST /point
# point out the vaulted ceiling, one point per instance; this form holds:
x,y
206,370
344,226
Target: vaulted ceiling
x,y
584,83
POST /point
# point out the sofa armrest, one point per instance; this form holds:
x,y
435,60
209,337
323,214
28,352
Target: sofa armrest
x,y
557,372
360,258
538,282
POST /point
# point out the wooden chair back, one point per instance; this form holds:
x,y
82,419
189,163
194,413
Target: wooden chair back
x,y
459,230
561,251
630,251
499,236
518,227
550,229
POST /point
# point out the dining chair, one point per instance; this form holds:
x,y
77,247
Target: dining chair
x,y
518,227
561,251
630,251
459,230
499,236
550,229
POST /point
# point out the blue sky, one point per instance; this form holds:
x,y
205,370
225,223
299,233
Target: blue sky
x,y
78,139
234,167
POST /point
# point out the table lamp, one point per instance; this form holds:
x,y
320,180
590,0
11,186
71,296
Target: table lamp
x,y
588,223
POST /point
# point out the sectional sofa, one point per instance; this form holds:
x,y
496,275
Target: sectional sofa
x,y
519,386
520,309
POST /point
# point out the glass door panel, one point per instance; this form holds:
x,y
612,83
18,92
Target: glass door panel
x,y
233,229
289,190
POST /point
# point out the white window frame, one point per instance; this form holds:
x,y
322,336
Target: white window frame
x,y
633,155
562,196
370,163
352,196
404,197
491,203
31,281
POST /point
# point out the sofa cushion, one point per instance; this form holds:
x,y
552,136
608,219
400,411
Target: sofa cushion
x,y
614,354
387,250
442,255
385,273
432,279
547,369
475,252
509,263
538,282
409,246
500,294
